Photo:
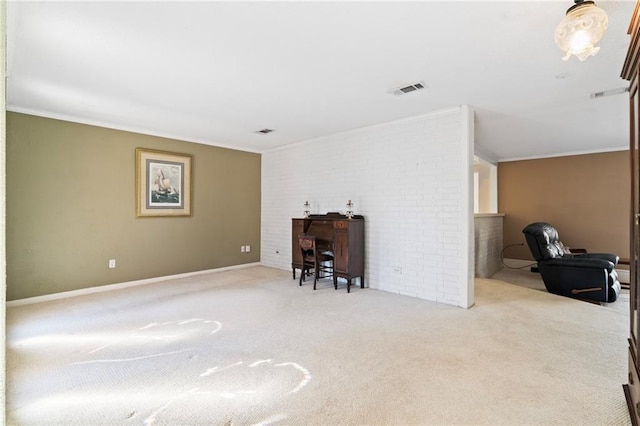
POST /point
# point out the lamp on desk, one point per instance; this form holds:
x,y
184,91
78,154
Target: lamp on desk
x,y
349,209
306,209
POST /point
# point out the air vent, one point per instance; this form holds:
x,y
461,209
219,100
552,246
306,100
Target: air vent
x,y
409,88
265,131
610,92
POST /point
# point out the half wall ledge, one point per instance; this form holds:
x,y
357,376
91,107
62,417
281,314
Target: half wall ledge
x,y
488,231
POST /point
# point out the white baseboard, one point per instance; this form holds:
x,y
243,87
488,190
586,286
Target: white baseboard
x,y
117,286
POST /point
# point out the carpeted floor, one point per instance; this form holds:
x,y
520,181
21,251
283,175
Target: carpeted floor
x,y
251,347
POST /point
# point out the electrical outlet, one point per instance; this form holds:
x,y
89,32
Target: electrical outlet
x,y
397,270
241,249
112,263
247,249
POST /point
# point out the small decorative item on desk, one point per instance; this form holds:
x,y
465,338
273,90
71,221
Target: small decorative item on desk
x,y
306,209
349,209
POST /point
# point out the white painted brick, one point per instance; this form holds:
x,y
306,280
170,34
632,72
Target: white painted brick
x,y
488,245
408,178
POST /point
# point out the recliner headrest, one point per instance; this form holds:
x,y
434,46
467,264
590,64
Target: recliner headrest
x,y
543,241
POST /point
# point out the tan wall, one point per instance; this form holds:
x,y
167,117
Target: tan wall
x,y
71,208
586,197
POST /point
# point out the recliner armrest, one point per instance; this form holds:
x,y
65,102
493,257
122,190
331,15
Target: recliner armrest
x,y
606,256
581,262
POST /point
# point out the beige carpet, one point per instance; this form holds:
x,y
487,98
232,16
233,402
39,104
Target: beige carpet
x,y
251,347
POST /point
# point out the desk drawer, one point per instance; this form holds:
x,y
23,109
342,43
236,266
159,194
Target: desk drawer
x,y
340,224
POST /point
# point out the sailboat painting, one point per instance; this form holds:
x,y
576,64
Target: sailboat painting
x,y
163,183
166,186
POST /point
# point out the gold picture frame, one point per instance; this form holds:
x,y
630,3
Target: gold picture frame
x,y
163,183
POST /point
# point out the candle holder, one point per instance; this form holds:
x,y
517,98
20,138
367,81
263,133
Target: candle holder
x,y
349,209
306,209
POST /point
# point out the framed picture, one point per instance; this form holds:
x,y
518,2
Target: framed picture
x,y
163,183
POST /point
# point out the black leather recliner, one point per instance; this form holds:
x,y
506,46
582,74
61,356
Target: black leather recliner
x,y
589,276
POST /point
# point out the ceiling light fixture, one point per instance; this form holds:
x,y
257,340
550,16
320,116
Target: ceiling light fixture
x,y
580,30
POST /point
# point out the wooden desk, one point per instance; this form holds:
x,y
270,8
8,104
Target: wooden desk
x,y
337,233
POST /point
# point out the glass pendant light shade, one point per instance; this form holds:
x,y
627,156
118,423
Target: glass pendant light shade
x,y
581,29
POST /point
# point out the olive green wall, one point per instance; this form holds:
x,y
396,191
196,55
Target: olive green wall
x,y
71,208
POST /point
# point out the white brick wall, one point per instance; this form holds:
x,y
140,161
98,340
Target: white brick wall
x,y
488,244
411,179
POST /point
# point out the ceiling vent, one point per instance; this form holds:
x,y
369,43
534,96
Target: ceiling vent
x,y
265,131
409,88
610,92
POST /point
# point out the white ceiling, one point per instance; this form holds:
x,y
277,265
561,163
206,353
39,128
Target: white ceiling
x,y
217,72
